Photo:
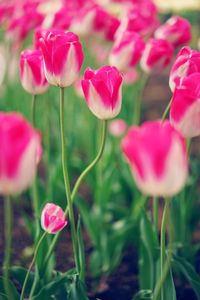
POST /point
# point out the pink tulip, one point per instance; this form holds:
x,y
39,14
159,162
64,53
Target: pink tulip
x,y
63,57
117,127
157,156
176,30
32,72
185,107
186,63
53,218
20,153
102,90
127,50
157,55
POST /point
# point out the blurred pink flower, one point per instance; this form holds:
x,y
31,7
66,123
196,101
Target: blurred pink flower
x,y
117,127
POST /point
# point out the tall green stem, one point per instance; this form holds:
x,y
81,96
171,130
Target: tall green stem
x,y
164,267
66,181
166,111
79,180
7,249
31,265
33,109
155,213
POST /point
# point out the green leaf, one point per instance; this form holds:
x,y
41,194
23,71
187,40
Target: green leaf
x,y
12,289
143,295
189,272
81,250
19,274
77,290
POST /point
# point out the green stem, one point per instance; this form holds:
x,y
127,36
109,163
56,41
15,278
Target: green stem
x,y
166,111
66,181
166,266
8,241
155,213
31,265
33,109
78,183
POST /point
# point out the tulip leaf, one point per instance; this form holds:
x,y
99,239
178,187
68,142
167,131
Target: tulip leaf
x,y
143,295
12,289
77,290
19,274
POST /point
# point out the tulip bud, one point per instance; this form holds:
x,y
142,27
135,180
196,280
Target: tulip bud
x,y
157,156
157,55
20,152
176,30
186,63
185,107
53,218
117,127
127,50
102,90
63,57
32,72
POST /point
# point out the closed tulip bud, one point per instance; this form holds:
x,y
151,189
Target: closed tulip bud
x,y
117,127
127,50
185,107
53,218
157,156
63,57
102,90
176,30
186,63
20,153
157,55
32,72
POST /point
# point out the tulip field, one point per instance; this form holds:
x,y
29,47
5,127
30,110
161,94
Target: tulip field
x,y
99,150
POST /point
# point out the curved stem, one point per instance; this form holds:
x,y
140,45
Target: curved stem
x,y
155,213
166,111
79,180
66,181
33,109
31,265
163,266
8,241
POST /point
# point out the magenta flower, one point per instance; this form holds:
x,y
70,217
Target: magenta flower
x,y
63,57
127,50
102,90
157,156
176,30
186,63
32,72
185,107
20,153
157,55
53,218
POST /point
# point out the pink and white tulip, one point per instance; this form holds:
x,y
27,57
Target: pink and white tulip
x,y
157,156
53,218
117,127
176,30
127,50
102,90
32,72
186,63
63,57
157,55
185,107
20,153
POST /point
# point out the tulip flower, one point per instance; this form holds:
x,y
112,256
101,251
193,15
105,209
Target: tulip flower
x,y
176,30
185,107
20,153
186,63
102,90
157,55
117,127
157,156
127,50
63,57
53,218
32,72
